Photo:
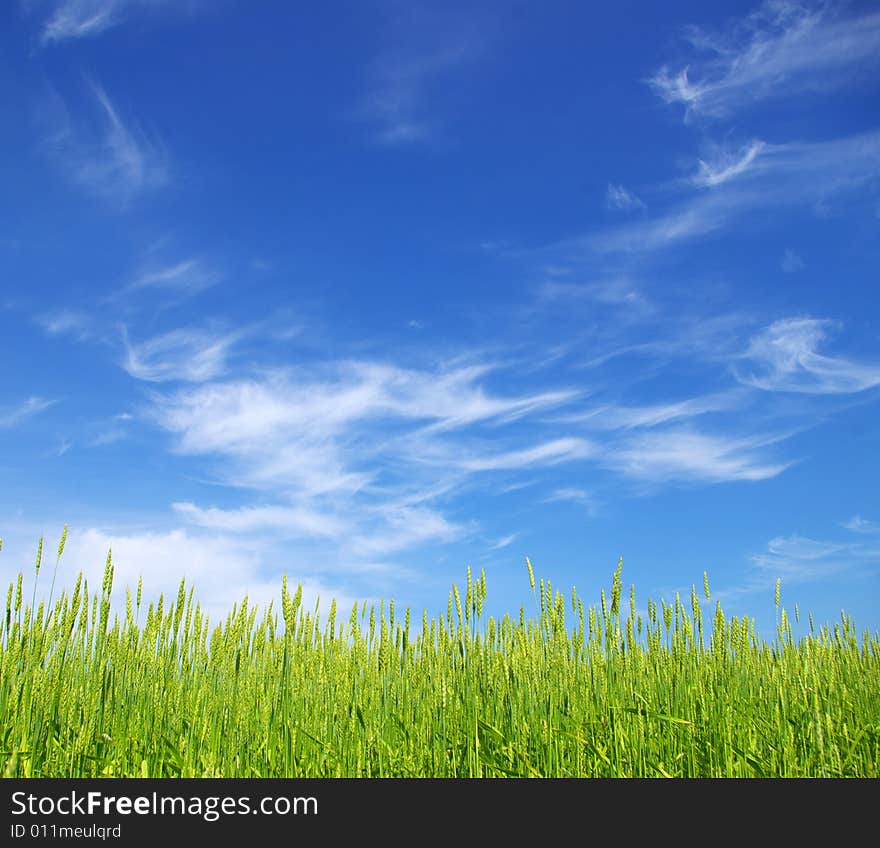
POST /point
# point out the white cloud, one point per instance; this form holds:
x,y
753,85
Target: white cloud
x,y
112,159
782,49
13,416
689,456
617,197
641,350
344,450
414,80
108,437
862,525
572,494
802,548
349,532
676,87
290,522
798,559
853,158
397,102
451,398
66,322
799,171
190,276
395,528
67,20
613,417
614,291
757,179
354,452
108,431
548,453
699,218
72,19
310,430
783,358
791,262
504,542
728,165
187,355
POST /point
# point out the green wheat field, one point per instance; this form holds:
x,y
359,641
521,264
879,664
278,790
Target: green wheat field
x,y
559,690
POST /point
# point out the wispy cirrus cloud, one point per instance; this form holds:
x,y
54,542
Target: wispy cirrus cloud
x,y
397,102
67,322
618,197
69,20
172,282
315,430
617,417
797,559
791,262
504,542
359,532
575,495
456,398
684,455
727,166
108,436
109,157
547,453
688,221
367,460
785,47
188,277
187,355
80,18
862,525
391,528
803,548
12,416
409,83
784,358
289,522
756,178
619,291
354,453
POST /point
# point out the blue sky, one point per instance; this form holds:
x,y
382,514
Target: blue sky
x,y
367,292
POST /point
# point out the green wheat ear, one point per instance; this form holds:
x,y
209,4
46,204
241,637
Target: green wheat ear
x,y
57,560
36,575
63,540
107,582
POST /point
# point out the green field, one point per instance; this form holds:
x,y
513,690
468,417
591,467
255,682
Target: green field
x,y
559,690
